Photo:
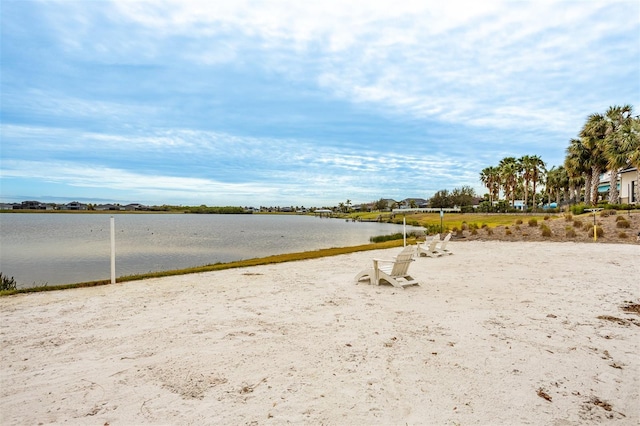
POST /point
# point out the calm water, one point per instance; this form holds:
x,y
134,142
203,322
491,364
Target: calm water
x,y
40,249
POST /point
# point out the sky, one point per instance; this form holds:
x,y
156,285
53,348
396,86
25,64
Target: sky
x,y
295,103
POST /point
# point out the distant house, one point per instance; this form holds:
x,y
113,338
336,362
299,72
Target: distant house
x,y
106,207
519,205
8,206
75,205
417,203
32,205
135,206
627,182
628,186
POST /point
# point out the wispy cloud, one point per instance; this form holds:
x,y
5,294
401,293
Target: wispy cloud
x,y
318,101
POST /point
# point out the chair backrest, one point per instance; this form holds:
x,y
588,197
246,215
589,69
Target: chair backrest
x,y
445,241
401,264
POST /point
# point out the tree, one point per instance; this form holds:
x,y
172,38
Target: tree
x,y
537,169
617,119
381,204
462,196
490,177
441,199
593,134
578,169
509,177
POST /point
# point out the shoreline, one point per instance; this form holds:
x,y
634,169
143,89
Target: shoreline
x,y
489,332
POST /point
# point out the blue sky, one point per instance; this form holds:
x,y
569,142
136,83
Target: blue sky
x,y
297,103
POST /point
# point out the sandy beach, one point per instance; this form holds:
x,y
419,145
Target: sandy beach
x,y
500,333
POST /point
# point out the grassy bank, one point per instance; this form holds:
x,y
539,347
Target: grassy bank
x,y
431,221
279,258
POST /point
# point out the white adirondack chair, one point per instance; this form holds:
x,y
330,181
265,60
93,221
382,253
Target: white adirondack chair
x,y
394,271
442,248
428,248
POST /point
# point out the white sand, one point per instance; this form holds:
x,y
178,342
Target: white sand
x,y
491,330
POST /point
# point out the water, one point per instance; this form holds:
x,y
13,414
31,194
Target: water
x,y
39,249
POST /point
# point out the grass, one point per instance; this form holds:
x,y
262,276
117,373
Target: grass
x,y
451,220
279,258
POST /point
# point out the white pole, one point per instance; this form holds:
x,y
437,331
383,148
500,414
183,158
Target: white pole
x,y
113,250
404,230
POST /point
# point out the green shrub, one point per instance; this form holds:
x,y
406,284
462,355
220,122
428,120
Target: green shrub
x,y
474,231
533,222
619,218
507,231
519,222
578,209
431,229
547,217
571,233
7,283
464,226
546,231
622,234
568,217
383,238
577,223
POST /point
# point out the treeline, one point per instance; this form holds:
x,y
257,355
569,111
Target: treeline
x,y
606,143
215,210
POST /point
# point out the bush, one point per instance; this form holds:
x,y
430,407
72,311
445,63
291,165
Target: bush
x,y
431,229
547,217
619,218
578,209
587,227
7,283
608,212
622,234
519,222
474,231
489,231
383,238
568,217
577,223
517,228
533,222
464,226
571,233
507,232
599,231
623,224
546,231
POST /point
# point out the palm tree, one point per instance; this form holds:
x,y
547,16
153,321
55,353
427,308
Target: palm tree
x,y
593,134
557,181
578,169
537,169
616,151
490,177
532,168
509,177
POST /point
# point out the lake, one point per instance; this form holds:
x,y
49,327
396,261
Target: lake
x,y
38,249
